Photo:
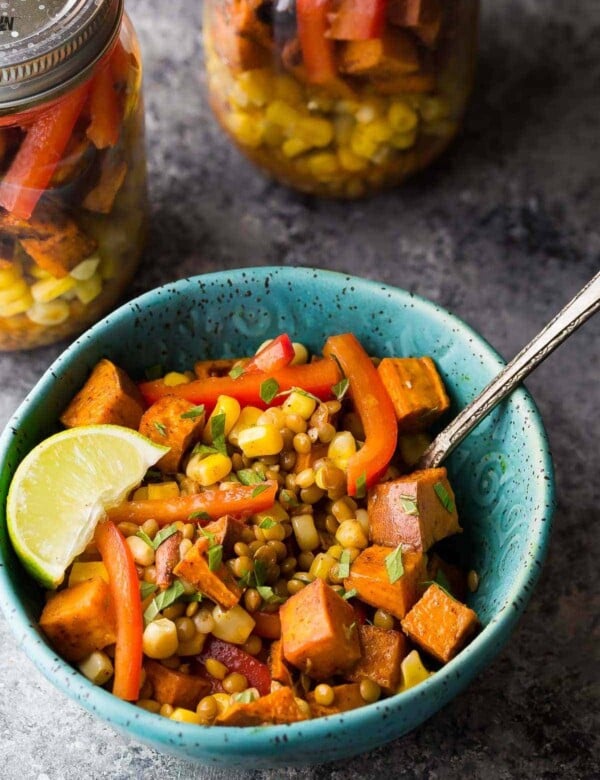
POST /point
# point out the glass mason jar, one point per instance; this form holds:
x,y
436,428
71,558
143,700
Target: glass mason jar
x,y
340,97
72,166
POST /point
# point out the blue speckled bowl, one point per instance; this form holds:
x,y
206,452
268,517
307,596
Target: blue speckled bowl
x,y
502,475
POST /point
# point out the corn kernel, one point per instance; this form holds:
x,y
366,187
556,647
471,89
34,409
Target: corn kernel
x,y
321,566
281,113
350,161
149,705
300,354
341,448
174,378
288,90
324,165
247,129
347,107
8,276
276,512
48,289
362,144
51,313
85,269
315,131
403,140
233,625
13,291
344,125
36,272
207,471
85,570
260,440
294,146
402,117
141,494
247,419
182,715
216,668
228,406
300,404
306,533
97,667
379,130
17,306
223,701
257,85
163,490
89,289
273,135
413,671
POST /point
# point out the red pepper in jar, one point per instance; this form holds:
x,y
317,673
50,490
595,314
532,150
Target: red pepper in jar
x,y
318,52
358,20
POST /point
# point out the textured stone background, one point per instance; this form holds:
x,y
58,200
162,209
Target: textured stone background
x,y
503,231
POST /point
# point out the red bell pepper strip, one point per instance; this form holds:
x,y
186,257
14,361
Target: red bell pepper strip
x,y
39,154
125,591
105,114
238,660
357,20
317,378
238,500
318,51
374,407
277,354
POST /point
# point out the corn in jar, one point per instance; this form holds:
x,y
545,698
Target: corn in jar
x,y
339,98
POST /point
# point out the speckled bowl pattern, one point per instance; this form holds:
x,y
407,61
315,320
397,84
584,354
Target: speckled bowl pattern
x,y
502,475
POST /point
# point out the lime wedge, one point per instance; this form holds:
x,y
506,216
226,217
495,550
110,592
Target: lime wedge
x,y
61,489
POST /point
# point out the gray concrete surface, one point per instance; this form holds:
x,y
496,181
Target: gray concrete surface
x,y
502,231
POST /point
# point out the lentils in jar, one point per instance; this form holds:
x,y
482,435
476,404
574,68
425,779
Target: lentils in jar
x,y
283,552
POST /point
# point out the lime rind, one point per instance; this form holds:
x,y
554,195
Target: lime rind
x,y
62,488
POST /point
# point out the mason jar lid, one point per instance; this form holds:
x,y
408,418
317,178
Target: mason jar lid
x,y
48,46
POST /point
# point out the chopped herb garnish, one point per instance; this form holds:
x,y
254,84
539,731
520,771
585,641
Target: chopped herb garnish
x,y
244,580
163,534
144,536
210,536
260,572
268,390
267,523
444,497
350,594
191,414
341,388
288,498
436,581
352,626
203,450
344,564
200,515
193,597
147,589
244,697
409,505
160,427
300,391
236,371
215,556
267,594
361,486
394,565
163,600
249,477
217,430
259,489
154,372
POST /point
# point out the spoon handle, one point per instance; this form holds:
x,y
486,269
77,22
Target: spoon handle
x,y
576,312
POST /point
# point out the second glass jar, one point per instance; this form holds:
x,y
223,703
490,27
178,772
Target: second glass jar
x,y
340,97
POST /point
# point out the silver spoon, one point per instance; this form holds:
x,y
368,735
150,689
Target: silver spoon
x,y
576,312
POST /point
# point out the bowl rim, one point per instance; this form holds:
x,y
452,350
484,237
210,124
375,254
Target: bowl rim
x,y
260,741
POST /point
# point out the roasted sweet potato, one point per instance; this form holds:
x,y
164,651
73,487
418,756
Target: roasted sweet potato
x,y
166,559
424,17
50,238
277,666
219,585
416,390
393,54
165,424
175,688
347,697
415,510
382,653
319,631
240,38
277,707
112,175
108,396
227,530
440,624
369,575
80,619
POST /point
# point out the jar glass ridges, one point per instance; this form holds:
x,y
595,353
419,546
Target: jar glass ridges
x,y
72,181
338,97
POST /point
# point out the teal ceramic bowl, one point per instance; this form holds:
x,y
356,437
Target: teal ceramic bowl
x,y
502,475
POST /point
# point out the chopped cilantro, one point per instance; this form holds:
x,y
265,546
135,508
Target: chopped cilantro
x,y
203,450
394,565
409,505
163,534
215,556
341,388
147,589
267,594
444,497
350,594
344,564
191,414
236,371
300,391
268,390
244,697
163,600
259,489
160,427
144,536
260,572
267,523
217,430
193,597
249,477
200,515
361,486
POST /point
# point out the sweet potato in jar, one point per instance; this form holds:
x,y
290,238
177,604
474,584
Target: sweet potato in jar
x,y
72,194
340,98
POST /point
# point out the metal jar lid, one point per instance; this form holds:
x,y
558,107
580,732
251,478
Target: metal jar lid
x,y
48,46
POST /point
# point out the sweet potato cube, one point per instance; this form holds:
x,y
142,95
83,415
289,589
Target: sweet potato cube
x,y
240,38
278,707
319,631
101,198
218,585
346,697
277,665
226,531
440,624
80,619
175,688
108,396
369,575
424,17
415,510
416,390
393,54
382,654
165,424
